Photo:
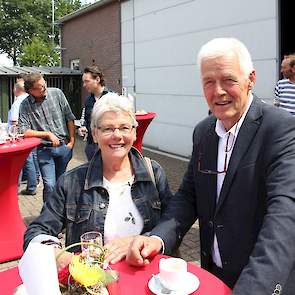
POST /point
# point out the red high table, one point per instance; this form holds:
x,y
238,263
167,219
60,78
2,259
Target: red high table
x,y
12,228
143,123
133,280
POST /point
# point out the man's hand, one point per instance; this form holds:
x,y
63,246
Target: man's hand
x,y
70,145
141,249
64,260
117,249
55,141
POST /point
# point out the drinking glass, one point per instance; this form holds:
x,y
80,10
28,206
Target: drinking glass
x,y
12,131
3,132
91,245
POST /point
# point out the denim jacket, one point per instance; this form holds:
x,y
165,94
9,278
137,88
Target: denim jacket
x,y
79,202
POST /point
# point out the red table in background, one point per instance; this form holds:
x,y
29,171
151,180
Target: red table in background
x,y
143,123
133,280
12,158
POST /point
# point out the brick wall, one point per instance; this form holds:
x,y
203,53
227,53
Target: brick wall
x,y
95,37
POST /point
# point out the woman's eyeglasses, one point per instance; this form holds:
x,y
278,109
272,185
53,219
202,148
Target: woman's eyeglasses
x,y
124,130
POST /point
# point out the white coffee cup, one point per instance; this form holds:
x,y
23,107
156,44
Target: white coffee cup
x,y
172,272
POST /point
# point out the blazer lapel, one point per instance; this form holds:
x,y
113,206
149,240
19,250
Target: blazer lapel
x,y
244,139
210,147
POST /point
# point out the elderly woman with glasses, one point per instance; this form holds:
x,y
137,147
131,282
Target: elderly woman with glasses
x,y
117,193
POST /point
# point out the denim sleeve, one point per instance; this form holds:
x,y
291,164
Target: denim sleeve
x,y
162,185
52,218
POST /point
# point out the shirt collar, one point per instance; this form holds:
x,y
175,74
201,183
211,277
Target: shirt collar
x,y
33,99
221,131
22,96
94,176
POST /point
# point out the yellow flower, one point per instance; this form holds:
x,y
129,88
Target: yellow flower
x,y
86,274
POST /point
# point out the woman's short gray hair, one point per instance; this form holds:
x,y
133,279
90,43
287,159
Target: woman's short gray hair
x,y
112,102
223,46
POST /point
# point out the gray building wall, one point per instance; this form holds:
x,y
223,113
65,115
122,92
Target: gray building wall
x,y
160,41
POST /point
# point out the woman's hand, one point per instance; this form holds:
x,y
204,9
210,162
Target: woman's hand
x,y
117,249
64,260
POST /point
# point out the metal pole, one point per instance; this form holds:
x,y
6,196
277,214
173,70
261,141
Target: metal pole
x,y
52,36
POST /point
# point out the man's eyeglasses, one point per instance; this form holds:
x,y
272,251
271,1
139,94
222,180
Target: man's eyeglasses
x,y
225,166
40,87
124,130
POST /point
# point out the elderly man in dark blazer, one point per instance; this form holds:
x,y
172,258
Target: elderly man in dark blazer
x,y
240,182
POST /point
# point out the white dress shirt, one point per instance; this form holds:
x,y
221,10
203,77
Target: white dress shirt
x,y
223,137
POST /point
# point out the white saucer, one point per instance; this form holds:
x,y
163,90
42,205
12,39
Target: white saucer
x,y
190,284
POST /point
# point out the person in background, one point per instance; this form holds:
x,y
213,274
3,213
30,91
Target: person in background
x,y
31,167
46,114
285,88
239,183
117,192
19,95
94,83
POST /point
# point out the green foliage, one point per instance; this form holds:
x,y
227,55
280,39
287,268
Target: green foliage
x,y
20,21
38,53
63,7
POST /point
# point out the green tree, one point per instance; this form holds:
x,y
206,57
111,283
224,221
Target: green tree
x,y
63,7
20,21
38,53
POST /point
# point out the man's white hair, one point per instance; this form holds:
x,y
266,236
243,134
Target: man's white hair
x,y
219,47
112,102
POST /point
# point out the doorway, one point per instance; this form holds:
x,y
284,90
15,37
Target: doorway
x,y
286,25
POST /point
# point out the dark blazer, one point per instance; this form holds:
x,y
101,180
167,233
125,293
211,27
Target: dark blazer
x,y
254,219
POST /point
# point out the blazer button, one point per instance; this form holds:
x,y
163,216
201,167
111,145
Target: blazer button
x,y
211,224
204,253
102,205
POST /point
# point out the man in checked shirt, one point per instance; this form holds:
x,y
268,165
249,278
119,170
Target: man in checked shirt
x,y
46,114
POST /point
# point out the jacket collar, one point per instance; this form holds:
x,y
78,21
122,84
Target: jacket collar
x,y
94,174
105,91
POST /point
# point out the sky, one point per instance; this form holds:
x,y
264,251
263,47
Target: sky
x,y
5,61
88,1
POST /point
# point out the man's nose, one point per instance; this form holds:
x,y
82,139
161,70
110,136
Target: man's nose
x,y
219,90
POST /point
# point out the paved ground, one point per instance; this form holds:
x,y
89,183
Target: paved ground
x,y
30,206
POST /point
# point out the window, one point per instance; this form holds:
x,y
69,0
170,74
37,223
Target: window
x,y
75,64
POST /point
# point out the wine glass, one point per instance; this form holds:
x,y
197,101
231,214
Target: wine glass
x,y
91,245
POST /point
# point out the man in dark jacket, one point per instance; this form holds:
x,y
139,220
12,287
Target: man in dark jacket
x,y
239,183
93,81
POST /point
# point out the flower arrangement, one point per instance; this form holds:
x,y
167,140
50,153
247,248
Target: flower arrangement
x,y
86,273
